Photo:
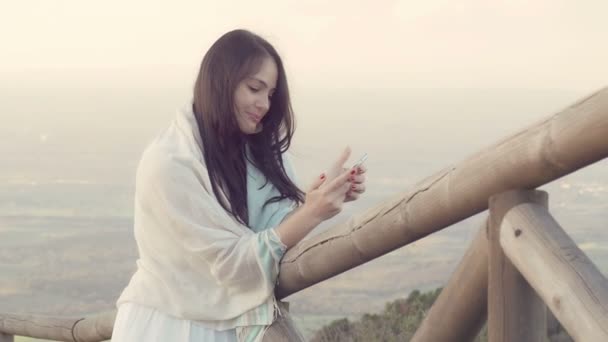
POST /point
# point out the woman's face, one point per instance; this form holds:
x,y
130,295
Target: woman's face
x,y
252,97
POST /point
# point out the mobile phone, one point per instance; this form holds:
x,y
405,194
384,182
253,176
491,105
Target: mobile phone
x,y
360,161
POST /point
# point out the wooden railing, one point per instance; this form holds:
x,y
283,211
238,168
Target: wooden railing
x,y
520,263
94,328
492,280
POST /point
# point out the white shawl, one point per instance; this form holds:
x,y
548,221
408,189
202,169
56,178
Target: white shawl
x,y
196,261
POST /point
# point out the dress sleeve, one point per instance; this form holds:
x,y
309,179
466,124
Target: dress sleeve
x,y
271,249
270,252
271,244
187,223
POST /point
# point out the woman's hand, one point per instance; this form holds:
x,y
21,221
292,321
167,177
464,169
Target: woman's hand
x,y
326,195
357,184
324,199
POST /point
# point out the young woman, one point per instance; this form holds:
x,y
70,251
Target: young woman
x,y
216,206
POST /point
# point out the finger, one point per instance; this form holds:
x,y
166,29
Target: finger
x,y
351,196
359,179
356,188
361,169
340,181
343,158
351,169
344,190
317,182
359,188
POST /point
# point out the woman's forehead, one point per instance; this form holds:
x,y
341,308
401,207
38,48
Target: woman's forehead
x,y
267,73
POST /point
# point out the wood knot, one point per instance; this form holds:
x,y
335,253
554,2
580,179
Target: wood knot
x,y
556,302
517,232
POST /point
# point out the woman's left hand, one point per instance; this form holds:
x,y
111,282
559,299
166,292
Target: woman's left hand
x,y
358,184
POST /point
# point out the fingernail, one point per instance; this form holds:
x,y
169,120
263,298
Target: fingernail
x,y
352,172
322,176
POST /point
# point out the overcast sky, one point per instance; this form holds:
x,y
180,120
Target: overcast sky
x,y
363,44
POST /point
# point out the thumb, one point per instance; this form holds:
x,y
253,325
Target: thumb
x,y
317,182
343,158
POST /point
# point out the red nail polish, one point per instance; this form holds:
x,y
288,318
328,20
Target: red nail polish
x,y
352,172
322,176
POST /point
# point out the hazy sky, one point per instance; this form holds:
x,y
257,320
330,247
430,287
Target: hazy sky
x,y
363,44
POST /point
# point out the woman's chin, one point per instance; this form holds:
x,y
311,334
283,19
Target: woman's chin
x,y
258,128
252,129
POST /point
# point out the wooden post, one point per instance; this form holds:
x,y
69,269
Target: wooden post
x,y
6,338
460,310
515,312
562,275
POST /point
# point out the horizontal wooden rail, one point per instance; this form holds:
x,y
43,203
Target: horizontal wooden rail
x,y
552,148
93,328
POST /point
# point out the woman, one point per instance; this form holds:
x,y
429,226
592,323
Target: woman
x,y
216,206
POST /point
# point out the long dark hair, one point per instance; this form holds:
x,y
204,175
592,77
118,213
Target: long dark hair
x,y
233,57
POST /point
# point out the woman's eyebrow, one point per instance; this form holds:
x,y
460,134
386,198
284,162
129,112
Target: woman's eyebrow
x,y
259,80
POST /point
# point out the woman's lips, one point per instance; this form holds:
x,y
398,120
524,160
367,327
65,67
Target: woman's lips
x,y
254,118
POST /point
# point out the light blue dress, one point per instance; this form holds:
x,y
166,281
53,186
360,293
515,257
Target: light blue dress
x,y
136,322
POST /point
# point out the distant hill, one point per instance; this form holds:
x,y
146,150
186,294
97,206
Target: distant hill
x,y
397,323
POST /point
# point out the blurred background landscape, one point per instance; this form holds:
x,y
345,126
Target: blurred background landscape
x,y
66,208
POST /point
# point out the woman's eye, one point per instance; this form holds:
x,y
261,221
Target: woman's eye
x,y
253,89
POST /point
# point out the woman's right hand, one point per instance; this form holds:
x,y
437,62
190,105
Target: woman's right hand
x,y
325,196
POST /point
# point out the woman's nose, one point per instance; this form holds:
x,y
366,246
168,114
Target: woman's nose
x,y
263,103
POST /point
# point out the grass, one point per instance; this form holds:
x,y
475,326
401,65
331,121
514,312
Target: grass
x,y
309,324
27,339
